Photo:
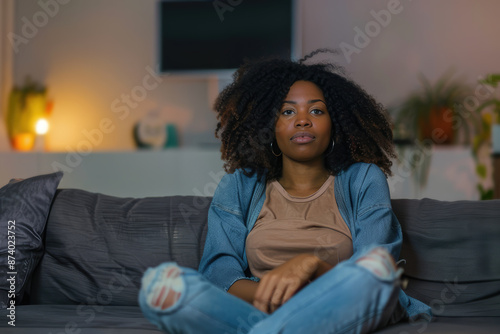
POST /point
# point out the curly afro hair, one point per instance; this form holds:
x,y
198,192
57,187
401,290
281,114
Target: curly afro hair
x,y
248,108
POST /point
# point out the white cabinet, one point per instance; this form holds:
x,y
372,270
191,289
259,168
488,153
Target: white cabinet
x,y
125,174
451,174
197,171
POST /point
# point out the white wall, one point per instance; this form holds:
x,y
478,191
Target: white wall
x,y
90,52
6,63
425,36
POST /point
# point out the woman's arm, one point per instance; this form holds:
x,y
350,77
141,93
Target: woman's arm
x,y
244,289
278,285
224,261
323,267
364,201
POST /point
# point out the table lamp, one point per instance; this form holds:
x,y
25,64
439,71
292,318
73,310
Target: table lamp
x,y
41,129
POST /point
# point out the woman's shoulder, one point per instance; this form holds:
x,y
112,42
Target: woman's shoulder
x,y
239,184
361,169
241,177
361,176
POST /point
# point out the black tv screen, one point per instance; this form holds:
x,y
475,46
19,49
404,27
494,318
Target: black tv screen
x,y
196,35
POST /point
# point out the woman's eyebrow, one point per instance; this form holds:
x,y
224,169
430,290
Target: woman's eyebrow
x,y
308,102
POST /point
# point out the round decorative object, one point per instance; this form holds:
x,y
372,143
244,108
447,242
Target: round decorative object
x,y
152,132
149,132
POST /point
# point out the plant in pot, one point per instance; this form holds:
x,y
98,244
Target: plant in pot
x,y
489,114
428,114
27,105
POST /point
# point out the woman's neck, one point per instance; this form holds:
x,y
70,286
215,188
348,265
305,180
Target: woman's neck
x,y
303,180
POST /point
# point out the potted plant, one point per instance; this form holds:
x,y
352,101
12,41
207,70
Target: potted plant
x,y
489,113
27,105
428,114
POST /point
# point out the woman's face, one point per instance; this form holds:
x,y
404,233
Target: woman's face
x,y
303,128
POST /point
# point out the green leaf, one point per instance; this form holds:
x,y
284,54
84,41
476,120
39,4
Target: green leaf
x,y
491,79
481,171
487,195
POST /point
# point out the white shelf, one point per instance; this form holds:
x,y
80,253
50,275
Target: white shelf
x,y
124,174
451,175
196,171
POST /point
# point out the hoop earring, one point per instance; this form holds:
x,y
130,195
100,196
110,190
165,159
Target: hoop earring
x,y
331,149
276,155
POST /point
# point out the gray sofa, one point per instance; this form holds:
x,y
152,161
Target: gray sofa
x,y
96,247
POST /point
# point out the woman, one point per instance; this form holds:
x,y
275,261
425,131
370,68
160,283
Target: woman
x,y
301,232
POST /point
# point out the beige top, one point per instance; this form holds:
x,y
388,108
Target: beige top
x,y
288,226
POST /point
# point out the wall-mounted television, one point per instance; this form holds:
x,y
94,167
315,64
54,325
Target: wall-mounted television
x,y
198,36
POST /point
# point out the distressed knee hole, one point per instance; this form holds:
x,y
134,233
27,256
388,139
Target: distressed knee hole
x,y
379,262
167,288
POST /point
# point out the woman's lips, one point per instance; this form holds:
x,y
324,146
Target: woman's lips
x,y
302,138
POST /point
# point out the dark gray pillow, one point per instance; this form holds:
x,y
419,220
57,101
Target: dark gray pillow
x,y
24,207
98,246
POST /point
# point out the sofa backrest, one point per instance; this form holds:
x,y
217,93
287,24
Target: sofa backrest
x,y
97,247
452,251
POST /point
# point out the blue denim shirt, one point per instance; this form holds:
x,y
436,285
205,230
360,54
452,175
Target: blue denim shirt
x,y
363,198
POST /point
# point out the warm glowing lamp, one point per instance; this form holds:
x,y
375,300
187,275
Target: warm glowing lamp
x,y
42,126
41,129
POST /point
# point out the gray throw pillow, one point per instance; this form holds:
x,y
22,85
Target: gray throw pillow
x,y
24,207
97,247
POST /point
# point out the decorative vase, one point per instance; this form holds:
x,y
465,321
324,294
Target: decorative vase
x,y
172,137
23,141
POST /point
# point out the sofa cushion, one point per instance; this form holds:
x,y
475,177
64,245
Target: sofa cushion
x,y
24,206
451,251
98,246
446,325
78,319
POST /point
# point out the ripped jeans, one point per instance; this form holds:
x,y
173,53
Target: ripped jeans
x,y
347,299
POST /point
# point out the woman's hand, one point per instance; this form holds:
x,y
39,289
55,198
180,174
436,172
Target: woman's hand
x,y
281,283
